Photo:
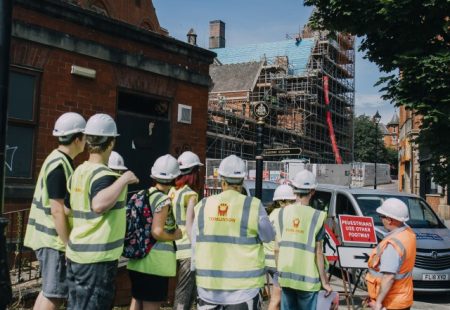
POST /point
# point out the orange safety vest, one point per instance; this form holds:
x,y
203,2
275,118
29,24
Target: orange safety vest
x,y
400,295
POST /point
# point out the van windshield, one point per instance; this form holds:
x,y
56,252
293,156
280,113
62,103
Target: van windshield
x,y
420,214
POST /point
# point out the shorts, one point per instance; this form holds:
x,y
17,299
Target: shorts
x,y
252,304
274,275
53,270
91,286
148,287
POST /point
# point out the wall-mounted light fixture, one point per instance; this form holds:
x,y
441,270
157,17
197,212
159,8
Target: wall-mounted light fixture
x,y
82,71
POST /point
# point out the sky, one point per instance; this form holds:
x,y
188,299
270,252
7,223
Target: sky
x,y
258,21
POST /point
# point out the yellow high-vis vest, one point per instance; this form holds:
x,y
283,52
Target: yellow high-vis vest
x,y
180,199
161,260
269,247
229,254
41,232
94,237
297,227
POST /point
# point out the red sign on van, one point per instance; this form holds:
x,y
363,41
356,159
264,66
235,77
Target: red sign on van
x,y
359,229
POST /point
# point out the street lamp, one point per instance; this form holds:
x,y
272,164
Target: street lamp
x,y
376,120
261,111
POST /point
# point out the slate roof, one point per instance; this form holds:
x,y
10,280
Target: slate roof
x,y
394,120
297,53
235,77
383,129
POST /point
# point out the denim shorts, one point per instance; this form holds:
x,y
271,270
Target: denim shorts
x,y
91,286
53,270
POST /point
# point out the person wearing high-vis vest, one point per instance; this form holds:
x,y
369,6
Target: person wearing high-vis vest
x,y
389,278
227,236
48,228
299,249
184,198
116,163
150,275
282,196
96,198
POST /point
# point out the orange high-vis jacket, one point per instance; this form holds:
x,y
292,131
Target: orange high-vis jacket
x,y
400,295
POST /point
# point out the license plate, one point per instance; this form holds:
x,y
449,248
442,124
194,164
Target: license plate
x,y
434,277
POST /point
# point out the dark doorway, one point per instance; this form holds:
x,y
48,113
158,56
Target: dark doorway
x,y
144,128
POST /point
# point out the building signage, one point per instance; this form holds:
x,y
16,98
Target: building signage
x,y
261,110
281,152
354,257
359,229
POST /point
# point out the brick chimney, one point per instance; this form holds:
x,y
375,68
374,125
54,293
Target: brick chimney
x,y
192,37
216,34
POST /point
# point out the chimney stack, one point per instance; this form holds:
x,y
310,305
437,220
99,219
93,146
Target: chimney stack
x,y
216,34
192,37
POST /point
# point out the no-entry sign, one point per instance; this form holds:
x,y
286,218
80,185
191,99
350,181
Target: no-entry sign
x,y
359,229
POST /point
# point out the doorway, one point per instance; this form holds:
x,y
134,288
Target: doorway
x,y
144,126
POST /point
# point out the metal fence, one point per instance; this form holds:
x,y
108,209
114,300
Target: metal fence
x,y
23,264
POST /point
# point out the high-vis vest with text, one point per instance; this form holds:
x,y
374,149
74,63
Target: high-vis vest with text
x,y
297,227
400,295
180,199
94,237
161,260
229,254
269,247
41,232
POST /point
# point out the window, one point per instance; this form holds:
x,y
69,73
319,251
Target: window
x,y
420,214
321,201
22,123
344,205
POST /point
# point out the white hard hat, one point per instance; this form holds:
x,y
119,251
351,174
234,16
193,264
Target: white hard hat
x,y
394,208
68,124
101,125
284,192
232,169
116,162
165,169
188,160
304,181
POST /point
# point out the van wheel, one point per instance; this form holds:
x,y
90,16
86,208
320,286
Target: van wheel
x,y
360,281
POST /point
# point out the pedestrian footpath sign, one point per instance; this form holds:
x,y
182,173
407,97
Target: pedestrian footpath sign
x,y
354,257
357,229
330,245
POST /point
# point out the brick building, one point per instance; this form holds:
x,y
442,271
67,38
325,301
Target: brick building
x,y
100,57
97,56
390,132
415,166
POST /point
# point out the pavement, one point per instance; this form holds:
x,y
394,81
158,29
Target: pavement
x,y
423,301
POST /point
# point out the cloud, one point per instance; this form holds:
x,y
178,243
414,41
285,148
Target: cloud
x,y
369,101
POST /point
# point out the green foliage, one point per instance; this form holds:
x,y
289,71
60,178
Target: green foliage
x,y
411,36
367,139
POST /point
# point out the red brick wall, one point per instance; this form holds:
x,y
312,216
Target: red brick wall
x,y
140,13
60,92
82,32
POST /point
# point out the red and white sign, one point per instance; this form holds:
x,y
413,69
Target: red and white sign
x,y
330,245
358,229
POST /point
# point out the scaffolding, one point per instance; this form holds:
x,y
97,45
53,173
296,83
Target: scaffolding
x,y
297,104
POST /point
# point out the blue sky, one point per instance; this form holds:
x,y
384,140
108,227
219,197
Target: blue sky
x,y
256,21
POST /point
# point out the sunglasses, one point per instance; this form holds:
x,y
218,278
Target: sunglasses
x,y
383,216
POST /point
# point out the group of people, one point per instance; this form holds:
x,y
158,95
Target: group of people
x,y
222,246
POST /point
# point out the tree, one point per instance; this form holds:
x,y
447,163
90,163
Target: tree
x,y
411,37
367,139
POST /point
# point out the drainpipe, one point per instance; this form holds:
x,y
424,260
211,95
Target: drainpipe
x,y
5,43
